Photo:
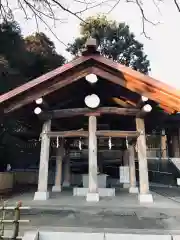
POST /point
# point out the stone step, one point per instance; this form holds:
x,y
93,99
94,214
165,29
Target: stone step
x,y
104,235
176,162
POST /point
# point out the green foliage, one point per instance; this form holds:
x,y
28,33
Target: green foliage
x,y
24,59
43,52
115,41
20,61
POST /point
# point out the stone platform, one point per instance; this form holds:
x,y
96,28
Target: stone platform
x,y
43,234
103,192
122,212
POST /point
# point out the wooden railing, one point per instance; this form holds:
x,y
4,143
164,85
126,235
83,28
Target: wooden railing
x,y
16,210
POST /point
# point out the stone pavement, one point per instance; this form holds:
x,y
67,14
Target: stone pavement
x,y
120,214
172,193
102,236
65,199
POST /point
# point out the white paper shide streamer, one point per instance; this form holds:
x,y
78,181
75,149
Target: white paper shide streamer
x,y
80,145
110,143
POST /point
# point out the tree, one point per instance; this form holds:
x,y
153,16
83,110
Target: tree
x,y
45,10
24,59
43,53
115,41
20,61
13,57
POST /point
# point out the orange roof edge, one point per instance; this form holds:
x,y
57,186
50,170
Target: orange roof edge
x,y
128,73
139,76
43,78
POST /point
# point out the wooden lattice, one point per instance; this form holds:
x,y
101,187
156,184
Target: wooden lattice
x,y
15,222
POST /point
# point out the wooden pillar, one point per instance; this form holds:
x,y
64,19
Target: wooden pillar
x,y
144,196
126,184
92,195
132,170
67,174
164,145
42,193
58,175
126,157
175,146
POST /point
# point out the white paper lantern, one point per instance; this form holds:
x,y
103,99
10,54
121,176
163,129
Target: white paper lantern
x,y
91,78
92,101
147,108
144,99
37,110
39,101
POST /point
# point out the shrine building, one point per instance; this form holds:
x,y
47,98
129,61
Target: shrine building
x,y
98,118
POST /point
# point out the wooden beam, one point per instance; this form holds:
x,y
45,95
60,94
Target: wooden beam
x,y
103,133
68,134
55,84
142,157
120,134
122,103
166,109
155,93
141,113
64,113
133,104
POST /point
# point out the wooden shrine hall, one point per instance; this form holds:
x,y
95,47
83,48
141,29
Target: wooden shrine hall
x,y
89,101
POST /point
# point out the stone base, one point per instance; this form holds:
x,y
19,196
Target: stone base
x,y
66,184
41,196
178,181
92,197
103,192
126,185
56,189
145,198
101,178
133,190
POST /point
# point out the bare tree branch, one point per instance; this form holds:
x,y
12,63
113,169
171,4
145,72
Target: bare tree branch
x,y
67,10
156,5
42,10
115,5
139,3
177,5
22,7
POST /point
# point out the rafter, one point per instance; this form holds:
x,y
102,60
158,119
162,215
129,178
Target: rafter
x,y
123,103
45,90
139,87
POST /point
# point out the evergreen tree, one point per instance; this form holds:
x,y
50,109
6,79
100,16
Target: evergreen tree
x,y
115,42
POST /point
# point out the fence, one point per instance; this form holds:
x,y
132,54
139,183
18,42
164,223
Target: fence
x,y
15,222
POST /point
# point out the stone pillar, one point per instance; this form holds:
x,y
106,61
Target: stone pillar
x,y
58,175
132,171
67,173
92,195
145,195
42,192
126,167
175,145
163,146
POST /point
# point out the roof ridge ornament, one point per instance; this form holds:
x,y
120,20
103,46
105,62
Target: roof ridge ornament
x,y
90,47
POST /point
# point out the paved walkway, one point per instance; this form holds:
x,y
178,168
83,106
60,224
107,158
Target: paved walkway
x,y
65,199
123,212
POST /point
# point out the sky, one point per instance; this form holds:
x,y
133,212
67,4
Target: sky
x,y
163,49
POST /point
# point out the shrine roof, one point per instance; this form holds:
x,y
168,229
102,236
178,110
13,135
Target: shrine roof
x,y
92,62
